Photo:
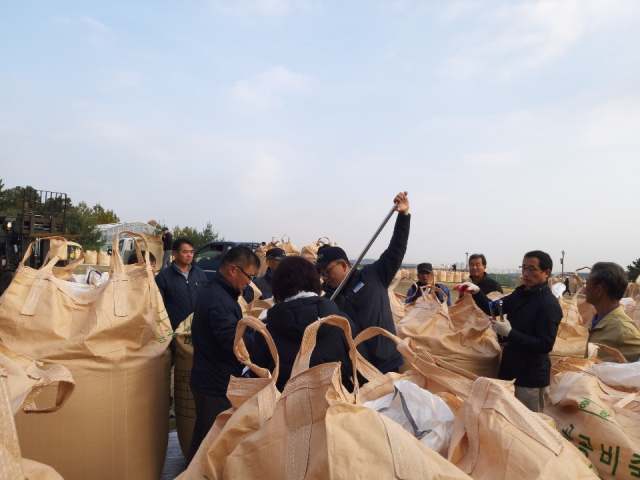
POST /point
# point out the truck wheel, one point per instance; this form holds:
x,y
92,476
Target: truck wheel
x,y
5,280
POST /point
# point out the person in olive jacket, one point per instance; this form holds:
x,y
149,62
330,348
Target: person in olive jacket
x,y
296,288
530,331
610,326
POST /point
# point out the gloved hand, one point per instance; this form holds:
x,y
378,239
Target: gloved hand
x,y
467,287
501,328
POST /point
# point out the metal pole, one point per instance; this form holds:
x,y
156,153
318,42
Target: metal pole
x,y
364,252
467,264
562,262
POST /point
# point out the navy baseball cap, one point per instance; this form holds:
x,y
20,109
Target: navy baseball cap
x,y
275,254
425,267
327,254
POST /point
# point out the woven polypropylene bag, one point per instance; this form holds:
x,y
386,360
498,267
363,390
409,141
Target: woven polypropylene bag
x,y
460,335
318,430
495,437
572,336
113,338
252,400
601,421
21,380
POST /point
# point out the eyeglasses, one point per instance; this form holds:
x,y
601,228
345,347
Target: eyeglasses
x,y
326,271
529,269
245,273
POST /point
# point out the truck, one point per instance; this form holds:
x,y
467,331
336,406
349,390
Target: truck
x,y
41,214
209,255
127,248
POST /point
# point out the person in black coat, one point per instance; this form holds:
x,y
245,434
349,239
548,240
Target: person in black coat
x,y
296,288
215,320
530,331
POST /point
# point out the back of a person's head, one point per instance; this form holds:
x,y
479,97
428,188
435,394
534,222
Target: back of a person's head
x,y
133,259
612,277
294,275
242,256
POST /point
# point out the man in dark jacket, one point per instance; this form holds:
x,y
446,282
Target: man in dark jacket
x,y
273,258
478,274
213,331
530,332
365,297
180,283
415,291
167,248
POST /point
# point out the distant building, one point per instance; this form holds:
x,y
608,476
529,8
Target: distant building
x,y
110,229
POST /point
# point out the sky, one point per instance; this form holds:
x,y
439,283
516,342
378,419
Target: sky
x,y
513,125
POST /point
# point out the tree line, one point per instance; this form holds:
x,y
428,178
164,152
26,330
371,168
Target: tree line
x,y
81,219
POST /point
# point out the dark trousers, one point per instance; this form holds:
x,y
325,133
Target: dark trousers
x,y
207,409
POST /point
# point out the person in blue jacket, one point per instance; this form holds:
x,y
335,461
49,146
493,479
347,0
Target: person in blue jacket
x,y
365,297
424,270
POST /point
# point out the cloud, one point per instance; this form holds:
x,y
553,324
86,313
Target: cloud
x,y
123,80
267,8
263,178
498,159
95,25
614,123
513,37
267,89
61,21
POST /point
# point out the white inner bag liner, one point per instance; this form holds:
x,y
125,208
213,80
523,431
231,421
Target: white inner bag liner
x,y
618,374
421,413
80,284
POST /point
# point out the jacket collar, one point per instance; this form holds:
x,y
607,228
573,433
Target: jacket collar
x,y
536,289
177,269
616,312
230,289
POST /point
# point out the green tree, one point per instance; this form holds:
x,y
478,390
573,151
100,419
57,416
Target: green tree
x,y
12,200
103,216
82,220
633,270
198,238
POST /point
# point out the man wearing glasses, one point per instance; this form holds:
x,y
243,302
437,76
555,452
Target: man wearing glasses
x,y
213,331
530,332
365,298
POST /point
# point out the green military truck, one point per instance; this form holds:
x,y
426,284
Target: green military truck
x,y
41,214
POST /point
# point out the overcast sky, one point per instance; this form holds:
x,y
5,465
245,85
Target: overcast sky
x,y
513,125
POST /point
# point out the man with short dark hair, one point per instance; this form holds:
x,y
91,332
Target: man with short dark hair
x,y
415,291
167,247
610,326
213,332
133,259
365,297
273,257
478,274
530,332
180,283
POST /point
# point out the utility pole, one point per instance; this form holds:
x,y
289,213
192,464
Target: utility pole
x,y
562,262
467,264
